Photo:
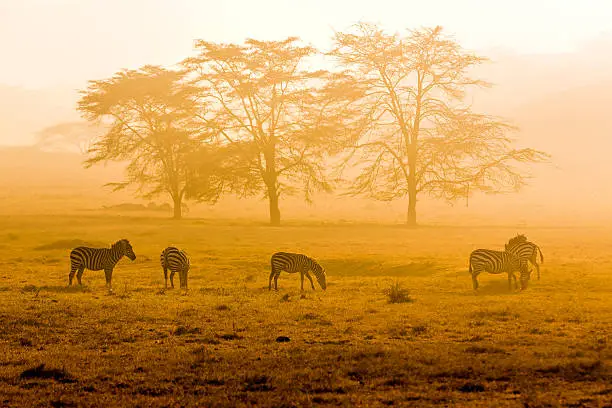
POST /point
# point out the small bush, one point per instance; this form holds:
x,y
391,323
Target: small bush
x,y
397,294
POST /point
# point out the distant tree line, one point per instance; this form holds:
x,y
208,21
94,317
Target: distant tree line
x,y
263,118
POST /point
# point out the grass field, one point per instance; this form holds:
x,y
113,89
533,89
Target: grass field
x,y
217,346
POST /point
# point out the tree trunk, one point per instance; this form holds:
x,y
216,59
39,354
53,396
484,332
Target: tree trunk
x,y
177,208
411,218
271,181
273,200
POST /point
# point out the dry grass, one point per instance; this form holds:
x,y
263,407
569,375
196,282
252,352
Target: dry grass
x,y
397,294
231,342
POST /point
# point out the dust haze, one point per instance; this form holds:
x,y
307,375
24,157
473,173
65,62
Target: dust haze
x,y
385,142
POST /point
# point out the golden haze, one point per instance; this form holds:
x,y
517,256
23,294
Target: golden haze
x,y
399,323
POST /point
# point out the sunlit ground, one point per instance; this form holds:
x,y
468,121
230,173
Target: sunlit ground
x,y
216,346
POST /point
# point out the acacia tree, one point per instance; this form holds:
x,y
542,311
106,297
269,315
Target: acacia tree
x,y
421,139
285,118
150,116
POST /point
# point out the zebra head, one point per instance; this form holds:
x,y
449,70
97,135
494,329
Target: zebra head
x,y
520,238
525,274
319,272
125,248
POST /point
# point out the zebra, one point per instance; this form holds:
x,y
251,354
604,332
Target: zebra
x,y
497,262
290,262
96,259
525,250
177,261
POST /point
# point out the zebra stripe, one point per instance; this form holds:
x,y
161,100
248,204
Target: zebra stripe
x,y
498,262
177,261
525,250
96,259
292,263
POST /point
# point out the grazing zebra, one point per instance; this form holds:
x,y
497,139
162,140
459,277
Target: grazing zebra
x,y
96,259
525,250
177,261
498,262
290,262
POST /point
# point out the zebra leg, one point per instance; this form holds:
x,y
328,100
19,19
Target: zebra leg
x,y
73,269
276,281
475,280
172,278
108,273
302,280
182,279
510,276
310,279
272,273
515,281
166,278
185,279
80,274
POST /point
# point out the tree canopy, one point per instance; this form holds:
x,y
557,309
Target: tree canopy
x,y
150,113
260,118
290,117
421,137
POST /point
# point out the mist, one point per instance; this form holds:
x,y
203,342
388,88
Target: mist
x,y
296,204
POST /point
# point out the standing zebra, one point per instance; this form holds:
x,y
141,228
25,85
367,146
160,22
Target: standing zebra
x,y
525,250
177,261
290,262
498,262
96,259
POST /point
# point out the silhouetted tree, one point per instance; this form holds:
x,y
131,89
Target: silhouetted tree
x,y
68,136
285,118
151,117
421,139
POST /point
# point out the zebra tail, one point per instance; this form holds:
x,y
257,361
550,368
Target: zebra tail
x,y
541,255
470,266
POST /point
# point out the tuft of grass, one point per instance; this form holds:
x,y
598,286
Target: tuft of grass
x,y
230,336
397,294
181,330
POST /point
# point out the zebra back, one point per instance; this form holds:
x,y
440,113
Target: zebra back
x,y
174,259
498,262
101,258
494,261
523,250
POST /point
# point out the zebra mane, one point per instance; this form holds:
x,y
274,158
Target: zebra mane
x,y
517,240
120,242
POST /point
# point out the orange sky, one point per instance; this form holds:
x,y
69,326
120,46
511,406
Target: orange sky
x,y
66,42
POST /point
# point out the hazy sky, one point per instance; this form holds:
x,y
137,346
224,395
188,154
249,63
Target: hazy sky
x,y
66,42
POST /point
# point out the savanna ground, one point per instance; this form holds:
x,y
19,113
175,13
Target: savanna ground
x,y
217,346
